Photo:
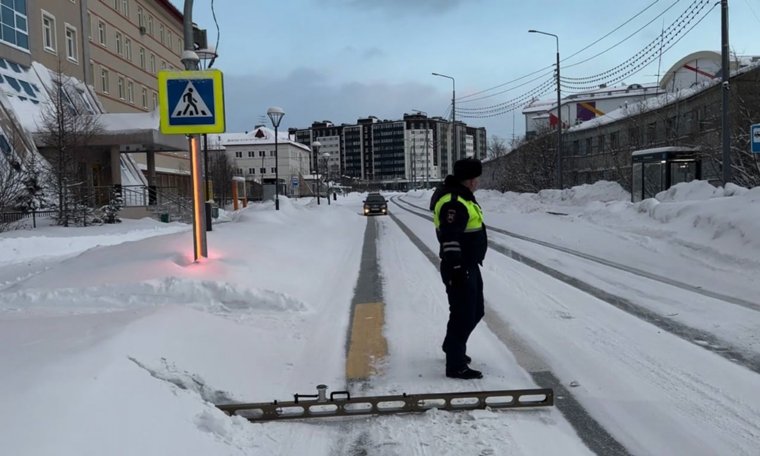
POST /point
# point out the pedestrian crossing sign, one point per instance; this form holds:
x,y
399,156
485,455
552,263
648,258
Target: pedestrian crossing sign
x,y
191,102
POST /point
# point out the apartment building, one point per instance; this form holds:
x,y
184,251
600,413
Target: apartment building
x,y
116,48
392,153
49,32
130,41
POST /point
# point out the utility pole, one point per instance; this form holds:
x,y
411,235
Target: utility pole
x,y
190,59
726,91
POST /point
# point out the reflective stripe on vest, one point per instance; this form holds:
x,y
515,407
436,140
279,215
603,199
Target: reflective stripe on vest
x,y
475,220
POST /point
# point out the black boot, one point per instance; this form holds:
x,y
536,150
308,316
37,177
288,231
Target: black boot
x,y
465,373
467,359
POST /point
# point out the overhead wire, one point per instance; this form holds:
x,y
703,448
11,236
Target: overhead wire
x,y
464,99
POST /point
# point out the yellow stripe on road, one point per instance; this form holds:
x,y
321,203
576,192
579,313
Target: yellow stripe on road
x,y
367,346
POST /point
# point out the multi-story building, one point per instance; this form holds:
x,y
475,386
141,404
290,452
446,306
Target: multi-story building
x,y
395,153
113,48
252,155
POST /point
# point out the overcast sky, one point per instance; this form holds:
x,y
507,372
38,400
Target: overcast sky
x,y
339,60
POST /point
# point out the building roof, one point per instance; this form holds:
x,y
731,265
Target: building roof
x,y
258,136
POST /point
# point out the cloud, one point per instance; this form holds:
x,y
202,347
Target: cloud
x,y
365,54
403,7
307,96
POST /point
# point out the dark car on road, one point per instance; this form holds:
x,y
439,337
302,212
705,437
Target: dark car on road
x,y
375,204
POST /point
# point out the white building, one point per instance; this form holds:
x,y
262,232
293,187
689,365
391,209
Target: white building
x,y
252,154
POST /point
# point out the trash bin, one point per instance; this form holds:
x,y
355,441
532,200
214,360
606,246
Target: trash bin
x,y
165,217
215,212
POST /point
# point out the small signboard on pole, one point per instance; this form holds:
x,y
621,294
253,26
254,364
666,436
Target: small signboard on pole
x,y
755,138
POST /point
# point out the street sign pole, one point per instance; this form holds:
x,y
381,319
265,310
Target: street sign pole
x,y
191,103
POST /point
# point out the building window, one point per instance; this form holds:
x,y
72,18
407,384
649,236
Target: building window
x,y
102,33
131,92
155,100
150,25
145,98
262,170
251,170
262,153
271,153
161,33
170,40
163,64
14,27
121,87
140,18
238,155
128,49
142,58
71,43
152,63
119,48
104,80
89,26
125,7
48,32
274,170
250,154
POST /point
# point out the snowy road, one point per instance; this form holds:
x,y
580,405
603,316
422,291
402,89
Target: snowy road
x,y
267,316
628,370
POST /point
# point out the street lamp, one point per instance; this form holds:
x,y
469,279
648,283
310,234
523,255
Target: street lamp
x,y
275,115
559,112
315,147
453,113
427,151
327,174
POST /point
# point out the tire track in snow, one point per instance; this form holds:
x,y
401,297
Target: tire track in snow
x,y
591,432
698,337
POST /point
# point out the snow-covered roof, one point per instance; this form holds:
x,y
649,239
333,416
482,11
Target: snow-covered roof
x,y
660,150
258,136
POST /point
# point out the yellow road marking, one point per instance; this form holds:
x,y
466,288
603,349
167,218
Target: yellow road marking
x,y
367,346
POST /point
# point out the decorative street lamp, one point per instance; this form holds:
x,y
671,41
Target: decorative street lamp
x,y
327,174
275,115
559,112
315,147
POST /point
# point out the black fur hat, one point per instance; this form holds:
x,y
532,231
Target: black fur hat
x,y
467,168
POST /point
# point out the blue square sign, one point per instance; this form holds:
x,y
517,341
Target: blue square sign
x,y
191,102
754,133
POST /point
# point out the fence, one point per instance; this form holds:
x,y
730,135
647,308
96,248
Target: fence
x,y
13,217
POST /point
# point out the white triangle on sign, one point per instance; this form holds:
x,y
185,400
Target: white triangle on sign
x,y
191,104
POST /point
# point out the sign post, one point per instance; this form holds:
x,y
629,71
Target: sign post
x,y
754,137
192,103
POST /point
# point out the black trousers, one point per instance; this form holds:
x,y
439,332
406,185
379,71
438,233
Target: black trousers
x,y
466,309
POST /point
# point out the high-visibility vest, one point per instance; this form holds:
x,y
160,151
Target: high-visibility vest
x,y
475,220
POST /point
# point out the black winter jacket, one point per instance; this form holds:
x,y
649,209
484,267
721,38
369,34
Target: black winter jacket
x,y
472,246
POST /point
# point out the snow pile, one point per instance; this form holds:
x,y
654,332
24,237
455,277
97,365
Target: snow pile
x,y
723,218
553,199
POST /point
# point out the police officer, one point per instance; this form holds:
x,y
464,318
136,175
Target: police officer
x,y
463,242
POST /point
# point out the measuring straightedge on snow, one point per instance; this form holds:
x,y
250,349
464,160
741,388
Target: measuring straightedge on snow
x,y
340,403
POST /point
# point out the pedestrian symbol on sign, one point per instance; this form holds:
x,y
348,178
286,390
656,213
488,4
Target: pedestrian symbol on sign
x,y
190,104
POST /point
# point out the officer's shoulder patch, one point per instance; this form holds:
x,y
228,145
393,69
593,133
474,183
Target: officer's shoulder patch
x,y
451,215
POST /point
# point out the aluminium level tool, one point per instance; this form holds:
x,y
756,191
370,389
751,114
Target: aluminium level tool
x,y
340,403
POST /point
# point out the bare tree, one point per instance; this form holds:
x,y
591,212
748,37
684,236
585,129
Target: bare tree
x,y
20,185
497,147
65,131
221,172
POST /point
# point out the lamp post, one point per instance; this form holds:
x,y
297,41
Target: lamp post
x,y
427,151
453,113
327,174
315,147
275,115
559,112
